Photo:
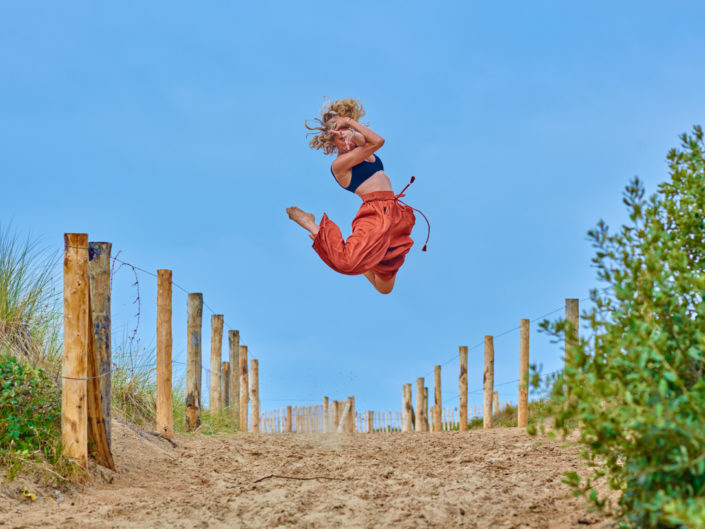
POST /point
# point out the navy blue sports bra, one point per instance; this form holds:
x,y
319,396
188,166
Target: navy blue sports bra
x,y
362,172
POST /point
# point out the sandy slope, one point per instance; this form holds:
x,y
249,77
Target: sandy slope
x,y
500,478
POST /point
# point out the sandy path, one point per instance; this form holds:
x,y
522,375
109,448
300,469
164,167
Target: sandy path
x,y
500,479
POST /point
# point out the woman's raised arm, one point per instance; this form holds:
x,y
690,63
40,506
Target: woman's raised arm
x,y
372,143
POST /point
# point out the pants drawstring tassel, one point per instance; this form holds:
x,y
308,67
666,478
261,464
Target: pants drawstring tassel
x,y
428,224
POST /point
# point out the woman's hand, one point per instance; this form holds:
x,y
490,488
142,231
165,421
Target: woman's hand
x,y
347,136
342,122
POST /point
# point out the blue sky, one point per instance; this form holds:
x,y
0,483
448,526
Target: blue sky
x,y
176,132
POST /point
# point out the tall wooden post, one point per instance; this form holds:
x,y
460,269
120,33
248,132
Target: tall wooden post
x,y
463,385
74,418
216,359
287,422
194,323
420,410
234,357
425,408
370,421
406,408
254,393
244,386
523,406
99,272
326,422
344,418
351,418
225,389
165,416
336,415
437,405
488,382
572,318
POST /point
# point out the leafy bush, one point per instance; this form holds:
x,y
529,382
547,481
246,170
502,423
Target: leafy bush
x,y
635,385
30,408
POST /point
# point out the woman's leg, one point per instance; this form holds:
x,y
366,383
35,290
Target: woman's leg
x,y
383,287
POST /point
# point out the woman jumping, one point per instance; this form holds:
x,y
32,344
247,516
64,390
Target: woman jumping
x,y
381,229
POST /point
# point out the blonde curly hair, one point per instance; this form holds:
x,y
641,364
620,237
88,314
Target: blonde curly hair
x,y
322,137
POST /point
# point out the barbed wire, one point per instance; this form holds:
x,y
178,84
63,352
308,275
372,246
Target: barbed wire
x,y
509,331
154,365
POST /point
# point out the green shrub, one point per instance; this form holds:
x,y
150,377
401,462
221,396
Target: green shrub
x,y
635,384
30,408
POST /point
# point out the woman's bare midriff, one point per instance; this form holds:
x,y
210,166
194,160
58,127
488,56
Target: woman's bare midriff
x,y
377,182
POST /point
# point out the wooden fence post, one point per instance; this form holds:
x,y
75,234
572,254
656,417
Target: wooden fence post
x,y
193,361
421,422
165,416
287,422
488,382
254,394
425,408
344,418
234,357
463,384
99,271
523,405
216,359
437,405
336,415
74,418
370,421
244,387
326,428
225,389
406,408
351,417
82,419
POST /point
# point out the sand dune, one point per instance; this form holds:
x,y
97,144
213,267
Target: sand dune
x,y
500,478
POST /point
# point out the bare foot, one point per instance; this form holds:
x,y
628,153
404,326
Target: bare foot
x,y
306,220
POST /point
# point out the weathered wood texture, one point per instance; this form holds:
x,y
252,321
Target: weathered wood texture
x,y
342,425
82,419
370,421
193,360
244,387
523,406
350,424
420,410
437,405
99,271
287,421
406,408
165,416
488,382
463,386
337,409
74,422
216,359
326,419
425,407
97,434
254,394
234,355
225,389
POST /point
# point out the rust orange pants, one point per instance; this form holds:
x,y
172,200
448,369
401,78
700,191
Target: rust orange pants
x,y
379,241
